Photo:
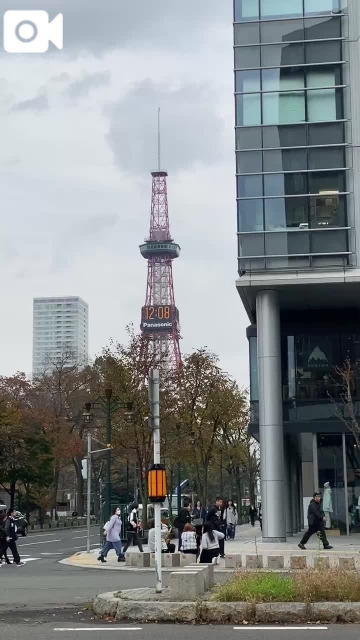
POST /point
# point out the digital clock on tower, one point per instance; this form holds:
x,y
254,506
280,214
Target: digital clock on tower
x,y
158,318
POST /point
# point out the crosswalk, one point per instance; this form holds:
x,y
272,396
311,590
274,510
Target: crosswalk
x,y
24,558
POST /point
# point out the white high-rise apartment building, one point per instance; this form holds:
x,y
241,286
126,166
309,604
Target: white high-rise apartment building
x,y
60,328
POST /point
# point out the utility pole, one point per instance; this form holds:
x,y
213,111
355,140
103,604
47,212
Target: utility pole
x,y
108,491
154,401
88,507
178,493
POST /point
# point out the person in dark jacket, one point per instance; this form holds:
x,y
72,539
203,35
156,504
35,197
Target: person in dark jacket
x,y
217,517
11,537
252,515
183,518
3,543
133,529
316,521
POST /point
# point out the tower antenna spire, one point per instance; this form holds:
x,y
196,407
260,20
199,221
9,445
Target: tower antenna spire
x,y
159,142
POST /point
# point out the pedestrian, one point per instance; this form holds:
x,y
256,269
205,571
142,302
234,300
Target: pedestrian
x,y
113,537
198,517
183,518
316,522
231,519
252,515
210,543
133,529
216,518
3,543
260,516
11,536
189,543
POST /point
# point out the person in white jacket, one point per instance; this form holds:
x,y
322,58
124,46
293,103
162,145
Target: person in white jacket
x,y
210,548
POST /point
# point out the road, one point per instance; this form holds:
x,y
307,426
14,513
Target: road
x,y
45,600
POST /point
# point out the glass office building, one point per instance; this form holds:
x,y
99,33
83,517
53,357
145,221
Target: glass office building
x,y
297,117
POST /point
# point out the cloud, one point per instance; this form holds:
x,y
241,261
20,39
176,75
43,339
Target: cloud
x,y
82,86
39,103
191,132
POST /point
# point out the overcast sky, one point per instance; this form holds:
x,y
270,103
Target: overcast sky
x,y
78,143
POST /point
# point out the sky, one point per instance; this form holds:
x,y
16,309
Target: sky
x,y
78,132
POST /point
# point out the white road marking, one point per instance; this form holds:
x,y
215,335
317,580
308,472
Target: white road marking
x,y
276,628
28,544
41,535
51,553
99,629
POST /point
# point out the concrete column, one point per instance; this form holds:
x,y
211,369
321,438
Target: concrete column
x,y
294,494
288,507
270,417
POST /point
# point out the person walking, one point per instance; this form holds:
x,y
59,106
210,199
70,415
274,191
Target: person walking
x,y
133,529
11,536
189,543
216,518
113,537
231,520
316,521
183,518
260,516
252,515
210,543
3,543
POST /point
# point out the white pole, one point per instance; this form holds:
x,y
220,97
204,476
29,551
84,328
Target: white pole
x,y
157,506
88,507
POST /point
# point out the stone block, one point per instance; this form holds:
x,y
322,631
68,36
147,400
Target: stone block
x,y
275,562
347,563
105,604
254,562
233,561
298,562
321,562
335,612
171,560
137,559
210,567
210,612
186,559
281,613
186,586
170,612
204,570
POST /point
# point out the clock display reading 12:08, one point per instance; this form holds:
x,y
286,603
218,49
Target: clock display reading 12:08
x,y
157,317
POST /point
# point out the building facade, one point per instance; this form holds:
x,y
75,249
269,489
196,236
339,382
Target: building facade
x,y
60,331
297,91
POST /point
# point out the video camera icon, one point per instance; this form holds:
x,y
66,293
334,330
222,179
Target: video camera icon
x,y
32,31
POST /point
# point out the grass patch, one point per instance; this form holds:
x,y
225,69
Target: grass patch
x,y
327,585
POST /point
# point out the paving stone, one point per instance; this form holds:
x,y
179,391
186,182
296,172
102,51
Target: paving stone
x,y
298,562
275,562
156,611
347,563
225,612
281,612
254,562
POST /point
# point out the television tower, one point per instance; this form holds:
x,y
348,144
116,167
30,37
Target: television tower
x,y
159,316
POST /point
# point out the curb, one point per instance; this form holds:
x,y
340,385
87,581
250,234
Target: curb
x,y
123,568
237,613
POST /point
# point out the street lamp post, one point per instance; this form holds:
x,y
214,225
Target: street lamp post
x,y
178,493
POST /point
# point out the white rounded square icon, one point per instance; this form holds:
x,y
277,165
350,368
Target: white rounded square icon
x,y
31,31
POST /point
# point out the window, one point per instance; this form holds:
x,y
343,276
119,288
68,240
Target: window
x,y
287,243
321,105
324,133
276,55
246,33
250,215
249,162
249,186
327,181
285,213
327,211
280,8
248,138
247,81
321,6
278,184
247,57
327,158
246,10
323,51
287,160
248,109
329,242
282,108
282,79
322,28
282,31
286,136
252,244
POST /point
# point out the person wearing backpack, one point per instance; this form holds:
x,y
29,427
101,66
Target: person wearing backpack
x,y
3,543
133,529
11,537
113,537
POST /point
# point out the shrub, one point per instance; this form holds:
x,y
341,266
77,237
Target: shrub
x,y
257,587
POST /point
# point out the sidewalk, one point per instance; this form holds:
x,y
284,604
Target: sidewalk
x,y
248,541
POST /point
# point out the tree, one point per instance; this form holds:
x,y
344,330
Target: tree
x,y
345,380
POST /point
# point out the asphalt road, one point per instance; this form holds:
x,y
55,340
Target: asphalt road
x,y
45,600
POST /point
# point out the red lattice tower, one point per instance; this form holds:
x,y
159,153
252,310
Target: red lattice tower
x,y
160,317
